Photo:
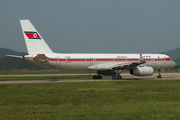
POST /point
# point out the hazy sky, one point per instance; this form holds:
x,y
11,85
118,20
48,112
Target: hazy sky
x,y
108,26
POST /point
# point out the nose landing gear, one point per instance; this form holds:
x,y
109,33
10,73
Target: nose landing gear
x,y
97,77
159,75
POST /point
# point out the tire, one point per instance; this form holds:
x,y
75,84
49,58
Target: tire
x,y
159,76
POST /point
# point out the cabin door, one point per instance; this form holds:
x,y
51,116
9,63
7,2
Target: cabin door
x,y
165,60
58,61
91,60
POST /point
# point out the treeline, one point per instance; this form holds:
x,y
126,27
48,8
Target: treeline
x,y
10,63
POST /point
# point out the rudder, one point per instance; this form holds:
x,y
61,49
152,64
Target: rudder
x,y
34,42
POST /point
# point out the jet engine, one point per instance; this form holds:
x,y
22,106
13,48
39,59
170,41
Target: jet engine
x,y
142,71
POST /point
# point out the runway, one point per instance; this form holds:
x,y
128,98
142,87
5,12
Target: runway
x,y
125,77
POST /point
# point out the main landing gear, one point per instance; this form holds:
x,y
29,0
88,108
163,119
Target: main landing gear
x,y
97,76
115,73
159,75
117,76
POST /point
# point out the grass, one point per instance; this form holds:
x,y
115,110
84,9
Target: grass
x,y
127,100
50,71
7,78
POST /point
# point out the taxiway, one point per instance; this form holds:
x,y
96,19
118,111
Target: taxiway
x,y
126,76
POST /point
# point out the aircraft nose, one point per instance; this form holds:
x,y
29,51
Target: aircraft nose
x,y
173,63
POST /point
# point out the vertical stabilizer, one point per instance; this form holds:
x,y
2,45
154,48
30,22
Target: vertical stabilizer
x,y
34,42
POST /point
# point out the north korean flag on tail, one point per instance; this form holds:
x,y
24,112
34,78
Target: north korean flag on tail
x,y
32,35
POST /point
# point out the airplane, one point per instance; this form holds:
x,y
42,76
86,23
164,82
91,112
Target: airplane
x,y
104,64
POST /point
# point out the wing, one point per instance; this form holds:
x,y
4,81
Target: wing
x,y
117,66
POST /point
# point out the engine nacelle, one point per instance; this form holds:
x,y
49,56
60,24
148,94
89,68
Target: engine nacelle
x,y
142,71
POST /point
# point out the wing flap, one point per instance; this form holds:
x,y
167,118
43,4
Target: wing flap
x,y
117,66
114,66
104,66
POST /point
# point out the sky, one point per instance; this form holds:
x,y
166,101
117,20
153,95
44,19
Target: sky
x,y
94,26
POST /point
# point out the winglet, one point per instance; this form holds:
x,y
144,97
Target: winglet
x,y
141,59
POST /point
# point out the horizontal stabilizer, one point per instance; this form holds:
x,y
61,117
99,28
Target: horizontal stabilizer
x,y
15,56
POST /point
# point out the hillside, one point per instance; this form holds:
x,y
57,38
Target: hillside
x,y
4,52
177,61
174,54
10,63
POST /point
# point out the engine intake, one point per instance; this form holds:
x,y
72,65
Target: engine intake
x,y
142,71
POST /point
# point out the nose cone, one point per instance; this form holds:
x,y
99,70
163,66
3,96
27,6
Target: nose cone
x,y
173,63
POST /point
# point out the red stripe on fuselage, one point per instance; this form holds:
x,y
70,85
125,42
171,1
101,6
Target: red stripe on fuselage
x,y
28,57
155,59
103,59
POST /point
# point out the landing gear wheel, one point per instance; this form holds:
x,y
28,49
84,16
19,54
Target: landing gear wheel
x,y
159,76
97,77
94,77
116,77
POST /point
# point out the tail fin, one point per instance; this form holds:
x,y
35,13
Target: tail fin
x,y
34,42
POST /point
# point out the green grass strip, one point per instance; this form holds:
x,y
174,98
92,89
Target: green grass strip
x,y
125,100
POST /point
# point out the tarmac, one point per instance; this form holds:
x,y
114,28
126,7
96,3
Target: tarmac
x,y
125,77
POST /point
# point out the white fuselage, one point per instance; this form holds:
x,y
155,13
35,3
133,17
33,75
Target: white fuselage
x,y
84,61
105,64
